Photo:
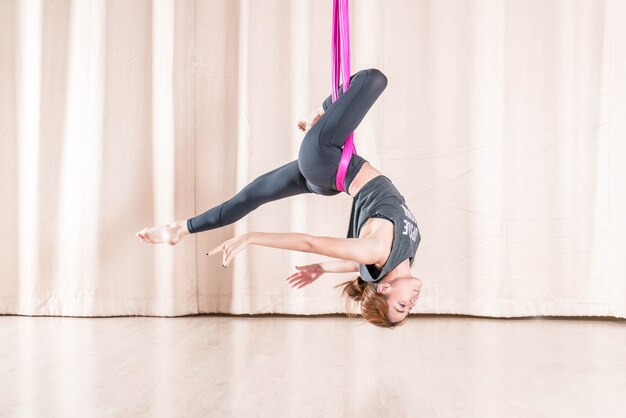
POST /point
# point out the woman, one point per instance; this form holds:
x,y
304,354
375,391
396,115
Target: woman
x,y
382,237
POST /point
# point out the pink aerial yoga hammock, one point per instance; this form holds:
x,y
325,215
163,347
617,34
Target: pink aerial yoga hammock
x,y
341,66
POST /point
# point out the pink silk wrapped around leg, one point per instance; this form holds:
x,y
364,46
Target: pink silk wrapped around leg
x,y
341,67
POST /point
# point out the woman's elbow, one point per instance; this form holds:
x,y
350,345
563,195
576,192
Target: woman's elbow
x,y
307,244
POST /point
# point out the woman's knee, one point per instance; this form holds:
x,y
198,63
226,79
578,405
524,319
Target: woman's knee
x,y
376,78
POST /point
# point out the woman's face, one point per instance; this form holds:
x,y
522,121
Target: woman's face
x,y
402,294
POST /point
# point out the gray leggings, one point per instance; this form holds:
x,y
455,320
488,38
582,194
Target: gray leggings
x,y
316,167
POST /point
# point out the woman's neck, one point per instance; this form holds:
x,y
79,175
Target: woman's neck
x,y
402,270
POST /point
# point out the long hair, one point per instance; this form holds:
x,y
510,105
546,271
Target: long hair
x,y
374,306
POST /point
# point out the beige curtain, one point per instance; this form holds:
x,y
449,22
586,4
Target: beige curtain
x,y
503,124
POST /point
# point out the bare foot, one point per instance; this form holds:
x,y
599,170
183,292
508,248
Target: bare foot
x,y
169,234
305,123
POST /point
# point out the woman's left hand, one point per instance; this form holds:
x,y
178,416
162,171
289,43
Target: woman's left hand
x,y
231,247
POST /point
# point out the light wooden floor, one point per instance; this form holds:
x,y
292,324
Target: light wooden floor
x,y
227,366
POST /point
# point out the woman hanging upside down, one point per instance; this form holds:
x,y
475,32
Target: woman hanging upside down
x,y
382,236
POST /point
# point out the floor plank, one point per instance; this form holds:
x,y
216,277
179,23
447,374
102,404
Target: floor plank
x,y
326,366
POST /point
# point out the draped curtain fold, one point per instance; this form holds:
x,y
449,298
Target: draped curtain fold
x,y
503,125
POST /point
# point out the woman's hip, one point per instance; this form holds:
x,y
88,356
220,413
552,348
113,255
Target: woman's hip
x,y
319,165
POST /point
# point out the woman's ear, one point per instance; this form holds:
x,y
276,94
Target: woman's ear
x,y
383,288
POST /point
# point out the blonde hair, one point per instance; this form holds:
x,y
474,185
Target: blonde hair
x,y
374,306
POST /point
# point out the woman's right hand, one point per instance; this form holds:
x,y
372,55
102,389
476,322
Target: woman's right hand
x,y
305,275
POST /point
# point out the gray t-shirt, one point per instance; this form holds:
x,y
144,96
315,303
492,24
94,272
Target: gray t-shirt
x,y
380,198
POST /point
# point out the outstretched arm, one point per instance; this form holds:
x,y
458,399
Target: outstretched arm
x,y
305,275
358,250
339,266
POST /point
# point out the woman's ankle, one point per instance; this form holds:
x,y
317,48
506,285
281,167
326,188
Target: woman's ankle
x,y
181,228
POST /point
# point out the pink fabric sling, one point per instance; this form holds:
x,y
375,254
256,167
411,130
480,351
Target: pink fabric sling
x,y
341,67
